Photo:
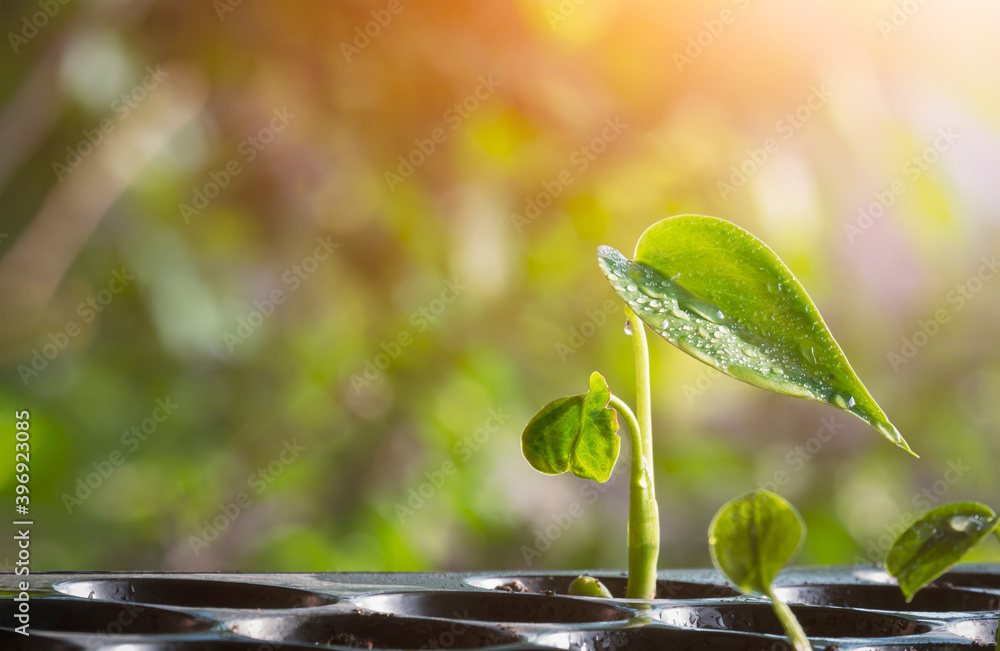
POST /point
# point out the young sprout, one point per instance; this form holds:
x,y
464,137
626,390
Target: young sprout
x,y
751,538
722,296
938,540
588,586
578,434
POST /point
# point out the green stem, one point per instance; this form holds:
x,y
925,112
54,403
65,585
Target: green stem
x,y
643,514
788,622
996,530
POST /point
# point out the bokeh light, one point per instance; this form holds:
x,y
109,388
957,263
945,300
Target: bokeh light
x,y
281,282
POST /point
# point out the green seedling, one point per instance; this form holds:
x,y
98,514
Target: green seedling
x,y
751,539
938,540
722,296
588,586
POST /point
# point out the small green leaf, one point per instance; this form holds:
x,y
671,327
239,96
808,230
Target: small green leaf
x,y
722,296
576,434
752,537
936,541
588,586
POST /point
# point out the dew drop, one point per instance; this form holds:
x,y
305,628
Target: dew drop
x,y
681,314
655,303
842,401
628,327
705,310
696,352
631,288
964,524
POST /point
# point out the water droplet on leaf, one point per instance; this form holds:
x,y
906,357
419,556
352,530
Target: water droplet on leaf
x,y
842,401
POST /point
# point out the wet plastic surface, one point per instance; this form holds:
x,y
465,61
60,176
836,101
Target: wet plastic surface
x,y
843,609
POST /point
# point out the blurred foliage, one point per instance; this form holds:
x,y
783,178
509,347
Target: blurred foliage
x,y
370,419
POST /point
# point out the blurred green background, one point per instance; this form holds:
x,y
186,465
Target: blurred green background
x,y
281,282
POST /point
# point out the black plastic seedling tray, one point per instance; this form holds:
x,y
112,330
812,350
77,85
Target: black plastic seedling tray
x,y
840,609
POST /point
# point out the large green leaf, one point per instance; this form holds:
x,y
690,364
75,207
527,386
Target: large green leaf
x,y
721,295
936,541
752,537
576,434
